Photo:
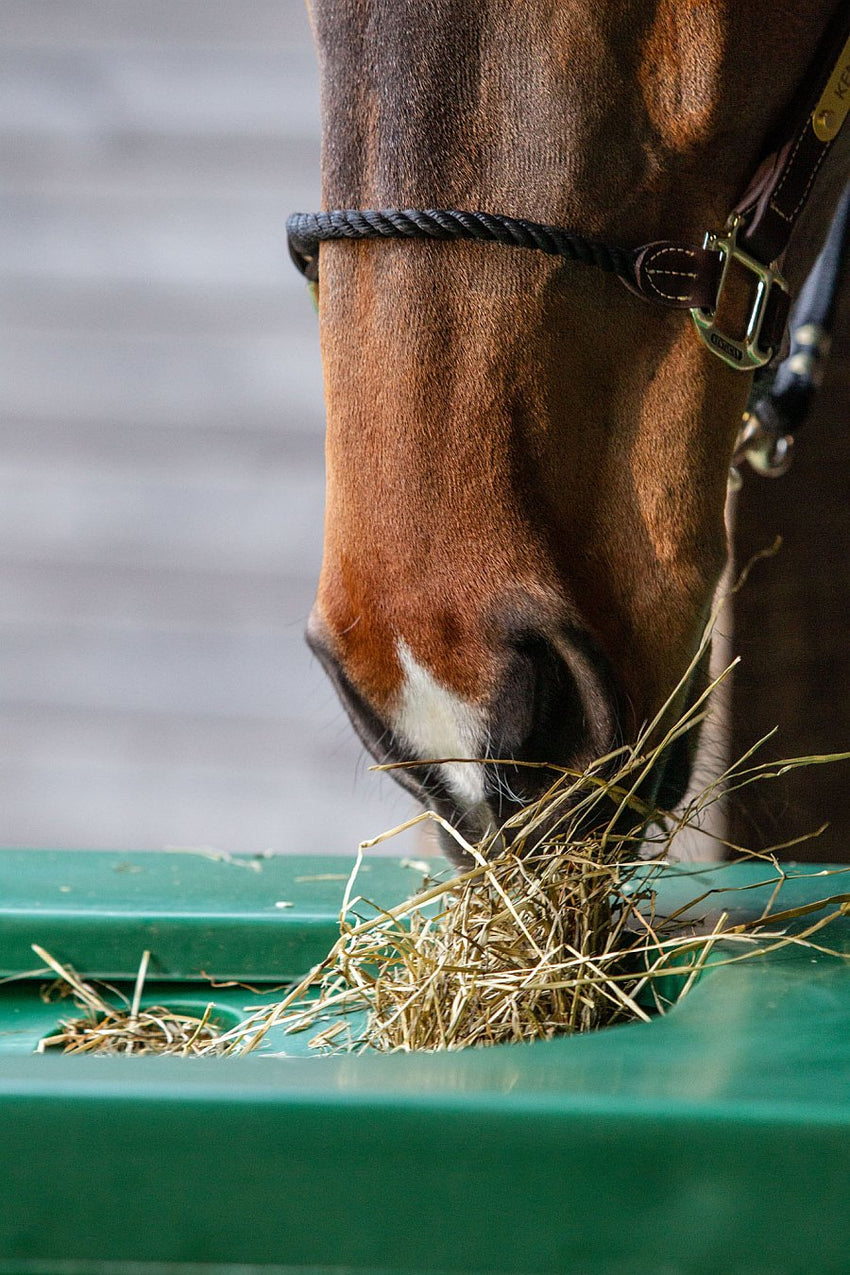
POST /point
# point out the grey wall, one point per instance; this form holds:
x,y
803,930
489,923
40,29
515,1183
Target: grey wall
x,y
161,436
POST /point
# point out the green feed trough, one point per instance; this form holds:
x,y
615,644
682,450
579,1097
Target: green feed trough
x,y
716,1138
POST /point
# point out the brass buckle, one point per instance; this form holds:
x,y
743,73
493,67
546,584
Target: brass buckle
x,y
746,354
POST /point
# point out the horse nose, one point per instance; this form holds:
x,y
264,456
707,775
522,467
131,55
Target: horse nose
x,y
551,703
554,707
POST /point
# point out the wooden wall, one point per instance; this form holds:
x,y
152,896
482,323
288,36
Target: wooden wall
x,y
161,436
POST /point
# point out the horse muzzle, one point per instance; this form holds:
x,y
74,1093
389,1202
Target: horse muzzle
x,y
479,763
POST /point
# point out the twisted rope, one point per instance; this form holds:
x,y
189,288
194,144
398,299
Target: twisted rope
x,y
306,231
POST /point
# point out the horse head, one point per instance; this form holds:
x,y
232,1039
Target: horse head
x,y
526,464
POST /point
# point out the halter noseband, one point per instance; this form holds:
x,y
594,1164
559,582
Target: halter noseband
x,y
682,276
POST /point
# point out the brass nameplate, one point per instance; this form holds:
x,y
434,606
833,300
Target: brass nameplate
x,y
834,103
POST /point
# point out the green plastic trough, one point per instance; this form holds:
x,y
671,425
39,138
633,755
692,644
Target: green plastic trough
x,y
714,1139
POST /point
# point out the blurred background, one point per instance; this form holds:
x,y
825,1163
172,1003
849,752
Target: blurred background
x,y
161,436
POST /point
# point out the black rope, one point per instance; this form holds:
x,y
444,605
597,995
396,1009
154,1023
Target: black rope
x,y
306,231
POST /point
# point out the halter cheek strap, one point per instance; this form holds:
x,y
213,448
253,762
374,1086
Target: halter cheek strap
x,y
682,276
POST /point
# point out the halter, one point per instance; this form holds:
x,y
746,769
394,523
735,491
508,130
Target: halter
x,y
684,276
681,276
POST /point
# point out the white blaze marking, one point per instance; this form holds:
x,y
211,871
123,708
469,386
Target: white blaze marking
x,y
434,722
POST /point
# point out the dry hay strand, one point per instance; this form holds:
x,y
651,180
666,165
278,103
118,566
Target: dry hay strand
x,y
553,929
131,1029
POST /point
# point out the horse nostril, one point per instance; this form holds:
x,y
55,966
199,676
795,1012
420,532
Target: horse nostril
x,y
540,699
555,705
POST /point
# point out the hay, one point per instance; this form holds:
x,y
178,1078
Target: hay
x,y
131,1029
518,949
552,930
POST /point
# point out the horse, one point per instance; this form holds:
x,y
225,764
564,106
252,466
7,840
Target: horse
x,y
526,462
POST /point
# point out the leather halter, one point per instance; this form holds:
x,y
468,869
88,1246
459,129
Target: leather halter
x,y
682,276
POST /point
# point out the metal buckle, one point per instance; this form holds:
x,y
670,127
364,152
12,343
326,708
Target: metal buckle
x,y
746,354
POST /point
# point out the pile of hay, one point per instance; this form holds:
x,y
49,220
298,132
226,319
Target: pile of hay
x,y
556,933
510,957
125,1029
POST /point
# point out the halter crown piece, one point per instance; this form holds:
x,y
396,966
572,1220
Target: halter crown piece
x,y
682,276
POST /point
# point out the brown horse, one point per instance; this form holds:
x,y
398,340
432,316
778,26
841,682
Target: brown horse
x,y
527,465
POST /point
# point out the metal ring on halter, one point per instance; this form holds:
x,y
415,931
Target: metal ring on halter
x,y
762,443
